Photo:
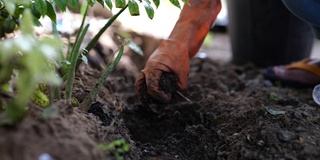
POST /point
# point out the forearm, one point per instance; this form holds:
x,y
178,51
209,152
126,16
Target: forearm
x,y
194,23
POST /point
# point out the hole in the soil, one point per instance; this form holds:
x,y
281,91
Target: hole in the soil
x,y
182,131
148,127
96,109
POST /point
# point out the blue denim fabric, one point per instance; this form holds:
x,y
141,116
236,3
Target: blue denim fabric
x,y
308,10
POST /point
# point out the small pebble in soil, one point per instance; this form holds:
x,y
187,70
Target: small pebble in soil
x,y
300,129
267,83
261,143
286,136
45,156
298,115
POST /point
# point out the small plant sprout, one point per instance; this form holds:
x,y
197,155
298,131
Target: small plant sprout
x,y
118,148
273,97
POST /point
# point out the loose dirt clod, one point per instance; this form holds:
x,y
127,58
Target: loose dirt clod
x,y
168,83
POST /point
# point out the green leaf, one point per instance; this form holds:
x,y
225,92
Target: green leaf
x,y
7,88
156,3
103,147
36,22
109,3
35,12
9,25
273,96
74,56
133,8
19,10
94,91
84,58
186,1
15,111
10,6
120,3
62,4
135,48
41,6
101,2
41,99
175,3
91,2
275,112
73,3
51,12
149,9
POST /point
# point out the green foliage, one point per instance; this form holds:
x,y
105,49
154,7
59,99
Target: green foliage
x,y
118,147
73,3
74,57
11,10
94,91
17,59
27,63
133,7
273,97
149,9
175,3
39,98
156,3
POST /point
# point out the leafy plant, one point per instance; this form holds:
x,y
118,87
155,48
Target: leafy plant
x,y
17,61
118,147
273,97
29,65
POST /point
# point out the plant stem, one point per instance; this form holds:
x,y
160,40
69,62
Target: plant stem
x,y
95,39
85,105
81,27
74,57
57,93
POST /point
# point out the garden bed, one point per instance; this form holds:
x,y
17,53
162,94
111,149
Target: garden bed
x,y
234,114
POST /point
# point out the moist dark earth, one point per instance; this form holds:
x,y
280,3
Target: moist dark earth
x,y
233,113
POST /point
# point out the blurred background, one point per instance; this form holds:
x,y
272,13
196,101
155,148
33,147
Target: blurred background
x,y
147,32
217,44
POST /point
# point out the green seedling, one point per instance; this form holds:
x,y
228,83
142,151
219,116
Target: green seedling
x,y
40,99
118,147
90,98
273,97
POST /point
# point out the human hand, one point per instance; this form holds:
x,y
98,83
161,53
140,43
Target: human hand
x,y
170,57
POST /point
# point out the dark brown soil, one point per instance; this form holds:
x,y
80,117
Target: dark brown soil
x,y
234,114
168,83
